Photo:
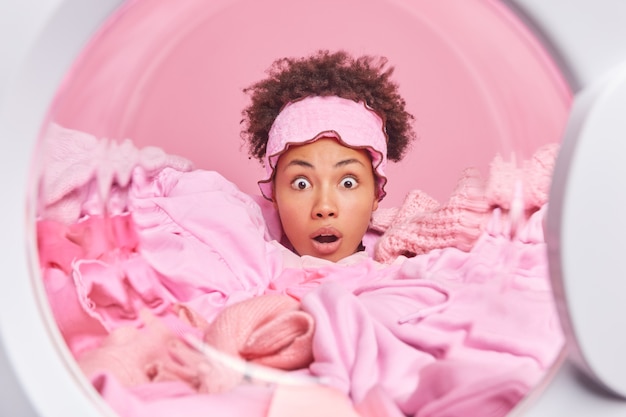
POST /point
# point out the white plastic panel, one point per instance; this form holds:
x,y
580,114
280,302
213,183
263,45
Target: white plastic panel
x,y
586,229
42,381
591,42
587,37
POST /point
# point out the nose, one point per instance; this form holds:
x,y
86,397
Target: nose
x,y
325,205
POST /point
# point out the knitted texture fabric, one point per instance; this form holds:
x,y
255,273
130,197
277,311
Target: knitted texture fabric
x,y
415,203
270,330
532,178
421,224
143,354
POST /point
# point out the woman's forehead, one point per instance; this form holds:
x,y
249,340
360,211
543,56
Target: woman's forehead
x,y
327,150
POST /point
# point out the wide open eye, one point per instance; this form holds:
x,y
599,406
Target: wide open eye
x,y
300,184
349,182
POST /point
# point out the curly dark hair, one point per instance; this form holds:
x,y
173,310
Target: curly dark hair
x,y
366,79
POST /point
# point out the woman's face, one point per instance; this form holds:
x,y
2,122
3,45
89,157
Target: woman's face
x,y
325,194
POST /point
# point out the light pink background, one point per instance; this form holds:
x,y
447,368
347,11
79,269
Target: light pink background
x,y
170,74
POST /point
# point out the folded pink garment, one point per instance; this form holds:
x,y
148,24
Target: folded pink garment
x,y
116,292
168,251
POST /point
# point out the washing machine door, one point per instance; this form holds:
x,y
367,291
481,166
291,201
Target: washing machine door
x,y
585,230
36,378
586,222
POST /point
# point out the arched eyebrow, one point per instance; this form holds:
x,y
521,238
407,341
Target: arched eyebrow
x,y
303,163
300,163
348,162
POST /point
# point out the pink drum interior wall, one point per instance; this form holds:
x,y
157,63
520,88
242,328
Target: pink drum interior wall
x,y
170,74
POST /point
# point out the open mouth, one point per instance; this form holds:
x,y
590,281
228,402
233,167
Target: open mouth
x,y
326,238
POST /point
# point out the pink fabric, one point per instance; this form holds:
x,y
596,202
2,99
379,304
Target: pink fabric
x,y
377,404
302,121
80,330
156,352
76,163
62,248
94,237
407,337
197,256
270,330
421,224
142,354
173,398
499,316
534,176
313,401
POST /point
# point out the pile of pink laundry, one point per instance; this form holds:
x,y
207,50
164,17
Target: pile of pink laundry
x,y
449,313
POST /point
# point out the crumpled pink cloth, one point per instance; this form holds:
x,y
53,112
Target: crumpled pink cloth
x,y
406,338
94,237
421,224
531,178
269,329
75,163
154,352
62,248
176,398
140,354
490,309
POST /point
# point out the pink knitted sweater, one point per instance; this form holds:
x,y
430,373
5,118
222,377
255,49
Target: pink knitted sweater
x,y
422,224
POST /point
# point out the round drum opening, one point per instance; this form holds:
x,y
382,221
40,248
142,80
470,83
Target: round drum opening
x,y
160,87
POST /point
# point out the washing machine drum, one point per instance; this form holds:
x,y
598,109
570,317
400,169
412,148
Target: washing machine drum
x,y
163,81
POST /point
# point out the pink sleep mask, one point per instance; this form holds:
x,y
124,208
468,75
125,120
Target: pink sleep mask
x,y
352,123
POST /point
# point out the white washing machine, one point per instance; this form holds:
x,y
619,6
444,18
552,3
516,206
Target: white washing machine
x,y
40,39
